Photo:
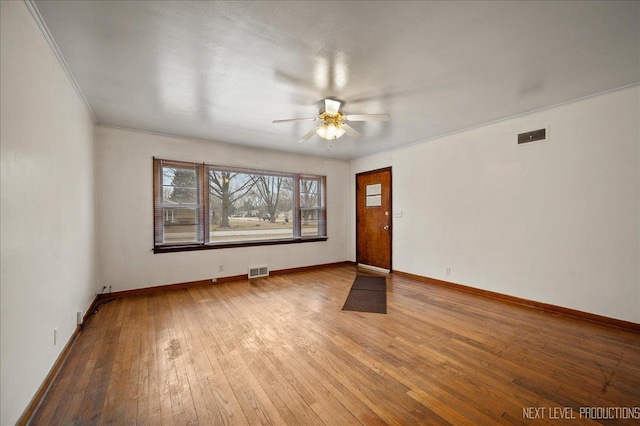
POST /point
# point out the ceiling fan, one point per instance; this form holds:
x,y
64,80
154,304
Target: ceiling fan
x,y
333,122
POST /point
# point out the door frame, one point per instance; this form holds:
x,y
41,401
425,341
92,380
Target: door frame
x,y
383,169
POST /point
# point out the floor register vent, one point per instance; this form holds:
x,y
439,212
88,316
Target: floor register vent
x,y
258,271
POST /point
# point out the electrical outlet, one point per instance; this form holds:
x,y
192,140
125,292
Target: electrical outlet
x,y
78,317
55,336
220,268
448,271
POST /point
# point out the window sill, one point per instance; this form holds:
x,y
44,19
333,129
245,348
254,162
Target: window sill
x,y
195,247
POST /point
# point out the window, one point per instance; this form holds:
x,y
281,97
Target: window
x,y
199,206
249,205
311,206
178,202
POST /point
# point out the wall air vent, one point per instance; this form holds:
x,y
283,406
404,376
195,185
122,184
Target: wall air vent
x,y
258,271
540,135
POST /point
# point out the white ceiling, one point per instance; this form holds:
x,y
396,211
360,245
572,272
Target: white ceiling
x,y
223,71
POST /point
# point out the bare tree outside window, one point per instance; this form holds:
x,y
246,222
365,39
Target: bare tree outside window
x,y
229,187
271,190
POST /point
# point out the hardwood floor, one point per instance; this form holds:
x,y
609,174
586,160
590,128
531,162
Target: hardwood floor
x,y
280,350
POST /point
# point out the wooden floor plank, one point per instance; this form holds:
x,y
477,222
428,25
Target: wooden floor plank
x,y
280,350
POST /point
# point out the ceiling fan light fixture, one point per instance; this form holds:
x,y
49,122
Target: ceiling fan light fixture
x,y
334,122
330,131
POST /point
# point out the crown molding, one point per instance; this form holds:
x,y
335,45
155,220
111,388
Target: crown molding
x,y
56,51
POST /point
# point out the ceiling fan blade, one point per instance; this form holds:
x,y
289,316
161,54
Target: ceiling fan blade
x,y
309,135
331,107
295,119
367,117
353,133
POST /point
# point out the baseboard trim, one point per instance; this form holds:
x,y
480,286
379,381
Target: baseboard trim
x,y
308,268
191,284
89,312
627,325
25,418
166,287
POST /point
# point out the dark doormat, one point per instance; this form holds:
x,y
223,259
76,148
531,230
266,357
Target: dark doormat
x,y
367,294
368,282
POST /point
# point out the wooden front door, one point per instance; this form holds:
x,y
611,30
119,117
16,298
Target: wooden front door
x,y
373,218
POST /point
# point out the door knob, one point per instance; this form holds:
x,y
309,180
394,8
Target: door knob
x,y
386,227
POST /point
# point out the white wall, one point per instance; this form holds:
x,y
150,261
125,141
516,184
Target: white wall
x,y
47,209
556,222
125,211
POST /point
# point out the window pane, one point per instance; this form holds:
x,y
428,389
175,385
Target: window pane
x,y
179,185
180,225
310,222
249,207
309,193
310,207
178,206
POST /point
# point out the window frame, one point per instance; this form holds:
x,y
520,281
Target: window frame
x,y
202,207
